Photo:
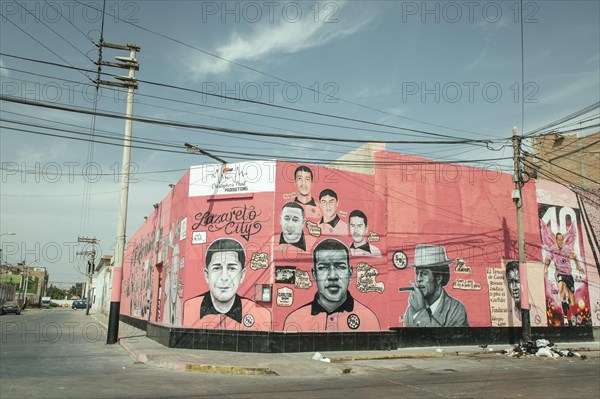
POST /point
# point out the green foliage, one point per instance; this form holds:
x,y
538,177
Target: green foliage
x,y
76,289
55,292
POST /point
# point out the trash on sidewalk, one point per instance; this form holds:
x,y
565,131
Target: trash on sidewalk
x,y
318,356
545,352
540,348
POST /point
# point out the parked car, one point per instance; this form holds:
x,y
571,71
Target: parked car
x,y
79,305
11,307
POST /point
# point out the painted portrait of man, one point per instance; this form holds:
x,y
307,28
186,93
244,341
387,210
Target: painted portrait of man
x,y
359,230
429,305
333,307
331,224
304,181
221,307
292,225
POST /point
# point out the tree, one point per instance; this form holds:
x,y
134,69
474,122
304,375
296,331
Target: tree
x,y
76,290
55,292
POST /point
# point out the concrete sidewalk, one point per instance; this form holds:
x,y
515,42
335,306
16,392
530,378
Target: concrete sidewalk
x,y
145,350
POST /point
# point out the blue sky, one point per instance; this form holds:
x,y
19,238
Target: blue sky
x,y
451,68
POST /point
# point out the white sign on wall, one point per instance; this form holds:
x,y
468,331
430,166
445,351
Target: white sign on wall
x,y
235,178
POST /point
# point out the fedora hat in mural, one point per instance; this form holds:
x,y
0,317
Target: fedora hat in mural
x,y
427,255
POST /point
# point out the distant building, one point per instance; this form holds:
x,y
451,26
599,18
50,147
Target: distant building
x,y
102,285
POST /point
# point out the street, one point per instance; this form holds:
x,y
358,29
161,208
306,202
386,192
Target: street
x,y
61,353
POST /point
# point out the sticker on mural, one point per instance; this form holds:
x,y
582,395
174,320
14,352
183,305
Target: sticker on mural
x,y
366,279
285,297
259,260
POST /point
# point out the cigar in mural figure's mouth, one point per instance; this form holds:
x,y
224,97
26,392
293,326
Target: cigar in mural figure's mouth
x,y
406,289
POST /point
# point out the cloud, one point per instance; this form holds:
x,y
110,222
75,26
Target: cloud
x,y
483,53
283,37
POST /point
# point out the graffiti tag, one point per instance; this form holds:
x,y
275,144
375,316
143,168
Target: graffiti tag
x,y
240,220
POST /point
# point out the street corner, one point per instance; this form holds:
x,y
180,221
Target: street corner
x,y
136,355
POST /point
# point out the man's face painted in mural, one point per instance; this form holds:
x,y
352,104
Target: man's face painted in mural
x,y
358,230
560,240
514,286
292,222
224,275
427,282
329,207
332,273
304,183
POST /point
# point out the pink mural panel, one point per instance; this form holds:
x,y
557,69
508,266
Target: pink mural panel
x,y
278,246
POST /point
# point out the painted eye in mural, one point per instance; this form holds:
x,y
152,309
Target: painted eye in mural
x,y
400,260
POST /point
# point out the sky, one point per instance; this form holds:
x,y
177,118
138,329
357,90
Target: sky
x,y
464,70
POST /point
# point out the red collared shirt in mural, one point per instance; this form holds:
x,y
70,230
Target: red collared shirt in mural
x,y
447,312
562,259
199,312
311,210
350,316
367,250
334,228
291,252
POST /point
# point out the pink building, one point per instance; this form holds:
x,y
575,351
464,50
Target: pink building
x,y
278,256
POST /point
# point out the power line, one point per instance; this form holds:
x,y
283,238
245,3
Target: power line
x,y
422,132
254,156
574,151
573,115
223,130
272,76
560,167
55,32
67,19
40,43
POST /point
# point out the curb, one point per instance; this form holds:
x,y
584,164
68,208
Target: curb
x,y
230,369
348,358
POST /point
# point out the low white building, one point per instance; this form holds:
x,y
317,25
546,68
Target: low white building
x,y
102,284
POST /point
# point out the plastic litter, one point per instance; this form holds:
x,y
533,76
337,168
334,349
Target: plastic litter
x,y
544,351
540,343
319,357
540,348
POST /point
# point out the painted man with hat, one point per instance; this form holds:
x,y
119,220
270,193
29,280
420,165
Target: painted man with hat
x,y
429,305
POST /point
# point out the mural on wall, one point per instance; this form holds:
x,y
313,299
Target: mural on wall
x,y
429,305
567,296
221,307
277,246
230,223
506,295
333,307
328,242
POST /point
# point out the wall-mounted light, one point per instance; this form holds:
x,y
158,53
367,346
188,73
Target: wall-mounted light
x,y
171,185
155,206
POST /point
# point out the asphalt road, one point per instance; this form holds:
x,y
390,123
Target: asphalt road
x,y
60,353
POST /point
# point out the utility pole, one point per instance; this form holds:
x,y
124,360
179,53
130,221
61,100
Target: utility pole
x,y
25,283
90,267
518,200
130,83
